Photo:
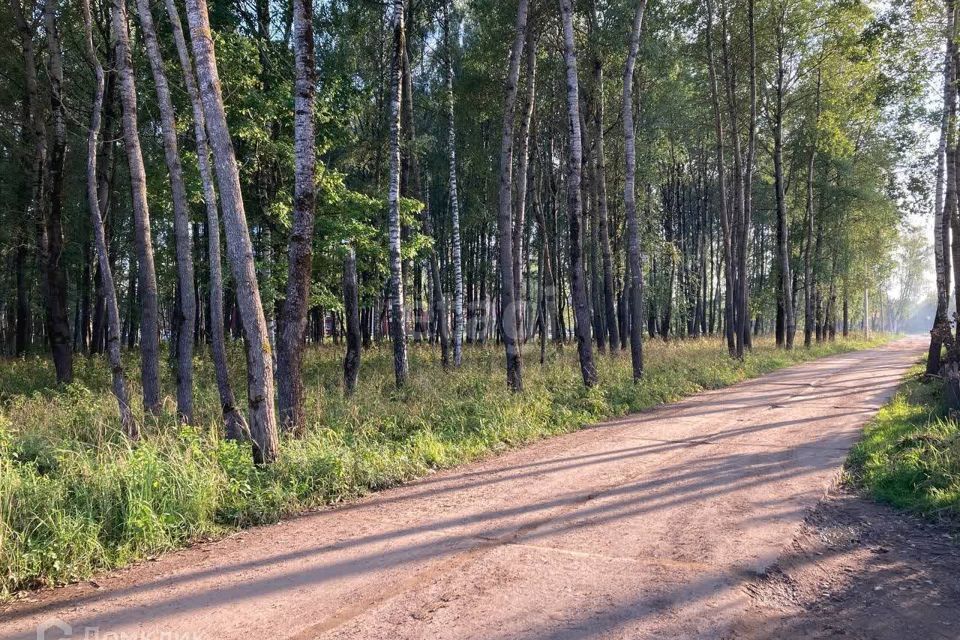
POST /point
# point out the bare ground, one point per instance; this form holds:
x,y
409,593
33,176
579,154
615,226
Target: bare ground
x,y
860,570
703,519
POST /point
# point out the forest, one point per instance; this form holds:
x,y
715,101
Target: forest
x,y
264,254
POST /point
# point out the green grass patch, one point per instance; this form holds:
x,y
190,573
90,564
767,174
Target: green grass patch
x,y
76,498
910,453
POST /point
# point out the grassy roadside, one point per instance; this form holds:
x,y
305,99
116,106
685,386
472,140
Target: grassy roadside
x,y
75,498
910,453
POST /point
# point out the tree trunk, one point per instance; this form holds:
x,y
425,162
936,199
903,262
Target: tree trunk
x,y
186,307
728,265
147,275
785,301
748,172
809,321
97,210
438,304
351,308
941,334
603,215
508,312
523,170
581,308
290,390
634,254
397,318
262,420
235,426
58,318
458,317
22,336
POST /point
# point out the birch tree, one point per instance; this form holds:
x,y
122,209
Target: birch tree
x,y
120,391
634,255
581,310
508,313
300,249
146,274
457,251
185,309
235,426
262,419
942,214
397,329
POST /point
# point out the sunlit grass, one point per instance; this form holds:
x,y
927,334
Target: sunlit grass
x,y
75,497
910,453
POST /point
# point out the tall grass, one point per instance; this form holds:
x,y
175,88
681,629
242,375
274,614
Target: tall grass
x,y
76,497
910,453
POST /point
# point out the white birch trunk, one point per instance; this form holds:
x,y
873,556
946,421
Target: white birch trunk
x,y
634,251
262,419
290,396
108,286
458,317
146,274
397,317
235,427
581,310
186,312
508,312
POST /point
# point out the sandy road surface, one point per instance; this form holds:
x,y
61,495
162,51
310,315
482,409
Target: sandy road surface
x,y
649,526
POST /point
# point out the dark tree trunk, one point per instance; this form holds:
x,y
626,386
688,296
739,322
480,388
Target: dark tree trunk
x,y
351,307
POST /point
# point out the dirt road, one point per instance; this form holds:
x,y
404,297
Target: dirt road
x,y
655,525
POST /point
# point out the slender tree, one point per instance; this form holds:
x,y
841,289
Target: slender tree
x,y
52,245
523,170
600,179
290,397
634,254
185,311
235,426
438,304
397,328
941,332
578,284
809,285
34,136
457,257
728,254
262,420
351,312
146,274
508,313
127,422
785,285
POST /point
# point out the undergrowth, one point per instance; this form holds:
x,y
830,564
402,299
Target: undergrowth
x,y
76,497
910,453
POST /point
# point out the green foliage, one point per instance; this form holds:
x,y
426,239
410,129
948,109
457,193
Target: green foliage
x,y
910,454
75,497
